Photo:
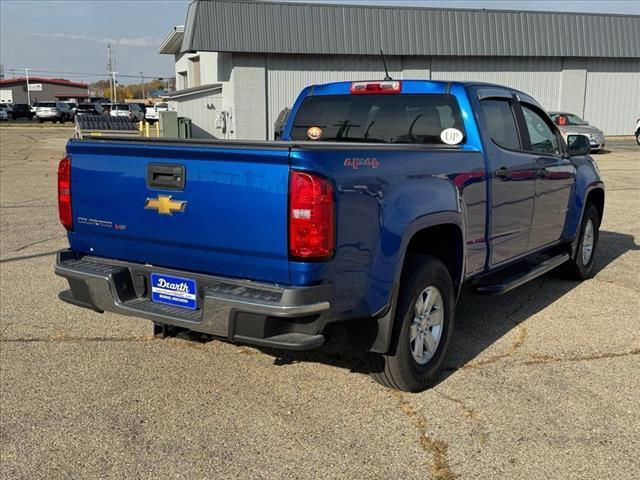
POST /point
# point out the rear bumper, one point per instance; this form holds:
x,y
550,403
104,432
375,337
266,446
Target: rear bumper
x,y
239,311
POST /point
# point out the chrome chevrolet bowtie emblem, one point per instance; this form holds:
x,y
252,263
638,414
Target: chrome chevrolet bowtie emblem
x,y
164,205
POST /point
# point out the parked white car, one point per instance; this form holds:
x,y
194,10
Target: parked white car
x,y
52,111
129,110
153,113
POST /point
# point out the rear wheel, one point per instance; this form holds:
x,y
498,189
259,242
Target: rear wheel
x,y
423,326
638,137
581,265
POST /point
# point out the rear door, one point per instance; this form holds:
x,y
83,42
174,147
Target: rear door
x,y
513,175
219,210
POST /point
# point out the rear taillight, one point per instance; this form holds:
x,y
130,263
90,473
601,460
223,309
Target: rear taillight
x,y
367,88
64,193
311,217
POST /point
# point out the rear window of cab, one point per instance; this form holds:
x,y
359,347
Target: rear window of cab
x,y
378,118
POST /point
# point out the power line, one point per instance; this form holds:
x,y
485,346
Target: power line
x,y
154,77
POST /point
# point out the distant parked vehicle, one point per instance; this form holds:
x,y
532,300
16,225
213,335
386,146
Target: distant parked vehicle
x,y
570,124
278,126
90,109
638,131
129,110
7,107
22,110
3,114
106,107
153,113
52,111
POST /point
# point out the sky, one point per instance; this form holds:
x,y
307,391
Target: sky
x,y
71,36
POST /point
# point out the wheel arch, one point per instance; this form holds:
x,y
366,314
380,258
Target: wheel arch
x,y
441,235
596,196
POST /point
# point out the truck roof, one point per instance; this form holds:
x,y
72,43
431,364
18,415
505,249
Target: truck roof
x,y
415,82
409,86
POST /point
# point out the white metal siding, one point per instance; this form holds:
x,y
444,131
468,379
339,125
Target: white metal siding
x,y
288,75
203,109
539,77
612,99
572,86
605,91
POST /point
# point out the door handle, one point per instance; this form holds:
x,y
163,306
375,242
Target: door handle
x,y
165,176
503,173
543,172
546,160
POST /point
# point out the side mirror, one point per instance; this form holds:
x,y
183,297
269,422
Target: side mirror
x,y
578,145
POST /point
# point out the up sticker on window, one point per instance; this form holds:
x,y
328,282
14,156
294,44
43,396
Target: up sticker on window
x,y
451,136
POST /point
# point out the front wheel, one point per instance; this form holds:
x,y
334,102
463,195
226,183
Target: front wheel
x,y
638,137
423,326
581,265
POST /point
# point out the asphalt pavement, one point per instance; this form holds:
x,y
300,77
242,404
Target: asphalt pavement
x,y
543,382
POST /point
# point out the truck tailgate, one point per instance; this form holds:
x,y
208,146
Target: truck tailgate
x,y
229,218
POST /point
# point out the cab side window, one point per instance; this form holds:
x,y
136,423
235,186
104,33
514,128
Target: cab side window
x,y
501,123
543,138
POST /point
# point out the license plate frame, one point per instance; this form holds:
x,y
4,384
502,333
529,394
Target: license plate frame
x,y
175,291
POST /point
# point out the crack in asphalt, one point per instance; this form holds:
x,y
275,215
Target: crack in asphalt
x,y
28,206
467,411
515,346
28,257
440,468
71,339
538,359
37,242
22,202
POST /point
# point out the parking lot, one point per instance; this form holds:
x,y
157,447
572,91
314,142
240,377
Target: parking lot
x,y
543,382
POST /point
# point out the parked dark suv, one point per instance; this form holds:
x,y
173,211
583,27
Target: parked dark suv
x,y
22,110
90,109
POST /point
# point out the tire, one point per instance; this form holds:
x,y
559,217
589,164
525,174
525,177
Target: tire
x,y
581,266
638,137
399,368
40,120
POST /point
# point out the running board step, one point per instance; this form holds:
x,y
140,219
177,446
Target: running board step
x,y
509,282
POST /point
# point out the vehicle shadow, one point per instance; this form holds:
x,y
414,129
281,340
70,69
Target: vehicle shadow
x,y
480,320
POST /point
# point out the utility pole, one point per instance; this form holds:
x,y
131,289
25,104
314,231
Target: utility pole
x,y
26,71
142,84
111,63
115,91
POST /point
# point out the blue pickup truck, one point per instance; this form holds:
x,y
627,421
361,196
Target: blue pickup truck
x,y
383,199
